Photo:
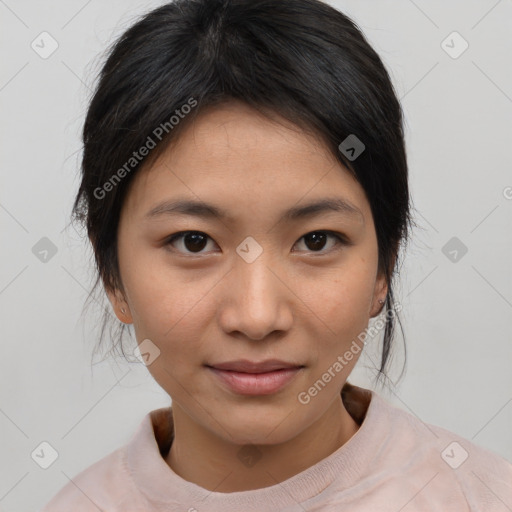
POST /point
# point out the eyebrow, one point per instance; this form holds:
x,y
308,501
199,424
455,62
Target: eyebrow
x,y
210,211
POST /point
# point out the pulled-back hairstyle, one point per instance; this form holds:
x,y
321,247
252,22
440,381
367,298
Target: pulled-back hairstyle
x,y
299,59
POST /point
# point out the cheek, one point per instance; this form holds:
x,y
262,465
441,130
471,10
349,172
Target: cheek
x,y
172,314
166,307
343,301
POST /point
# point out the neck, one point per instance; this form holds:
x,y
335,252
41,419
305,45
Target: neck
x,y
200,456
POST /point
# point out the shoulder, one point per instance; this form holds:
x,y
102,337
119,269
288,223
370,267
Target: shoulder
x,y
105,485
448,465
111,483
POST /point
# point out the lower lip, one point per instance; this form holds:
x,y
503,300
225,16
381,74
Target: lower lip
x,y
256,383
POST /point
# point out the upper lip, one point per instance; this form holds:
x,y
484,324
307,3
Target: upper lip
x,y
246,366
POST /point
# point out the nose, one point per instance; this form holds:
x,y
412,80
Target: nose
x,y
256,299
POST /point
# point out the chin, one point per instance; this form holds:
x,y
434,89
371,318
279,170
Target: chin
x,y
245,428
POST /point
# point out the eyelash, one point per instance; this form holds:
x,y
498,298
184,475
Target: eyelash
x,y
342,240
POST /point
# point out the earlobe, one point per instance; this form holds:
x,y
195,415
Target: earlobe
x,y
121,309
377,307
379,297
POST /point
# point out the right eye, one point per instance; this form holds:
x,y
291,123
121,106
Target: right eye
x,y
193,241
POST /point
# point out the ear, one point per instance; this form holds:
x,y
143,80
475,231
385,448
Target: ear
x,y
379,293
119,304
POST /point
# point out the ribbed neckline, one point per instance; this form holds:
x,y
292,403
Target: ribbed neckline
x,y
162,487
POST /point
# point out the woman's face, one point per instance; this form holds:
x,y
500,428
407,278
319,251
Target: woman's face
x,y
251,286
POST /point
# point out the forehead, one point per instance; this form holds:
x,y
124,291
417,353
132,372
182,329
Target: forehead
x,y
233,155
236,125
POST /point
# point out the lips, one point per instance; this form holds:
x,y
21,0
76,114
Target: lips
x,y
255,384
245,377
246,366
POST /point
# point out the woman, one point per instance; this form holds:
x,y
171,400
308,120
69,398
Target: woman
x,y
268,134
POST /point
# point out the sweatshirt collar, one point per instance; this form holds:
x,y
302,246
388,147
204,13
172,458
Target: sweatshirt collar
x,y
162,487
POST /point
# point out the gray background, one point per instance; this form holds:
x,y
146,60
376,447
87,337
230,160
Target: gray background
x,y
457,315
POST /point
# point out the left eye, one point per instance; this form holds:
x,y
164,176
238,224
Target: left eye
x,y
195,241
317,239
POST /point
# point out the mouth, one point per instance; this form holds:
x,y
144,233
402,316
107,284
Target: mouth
x,y
250,378
246,366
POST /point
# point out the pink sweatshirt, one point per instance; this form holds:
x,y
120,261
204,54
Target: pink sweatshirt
x,y
394,463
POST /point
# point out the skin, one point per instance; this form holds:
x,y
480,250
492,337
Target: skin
x,y
296,302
